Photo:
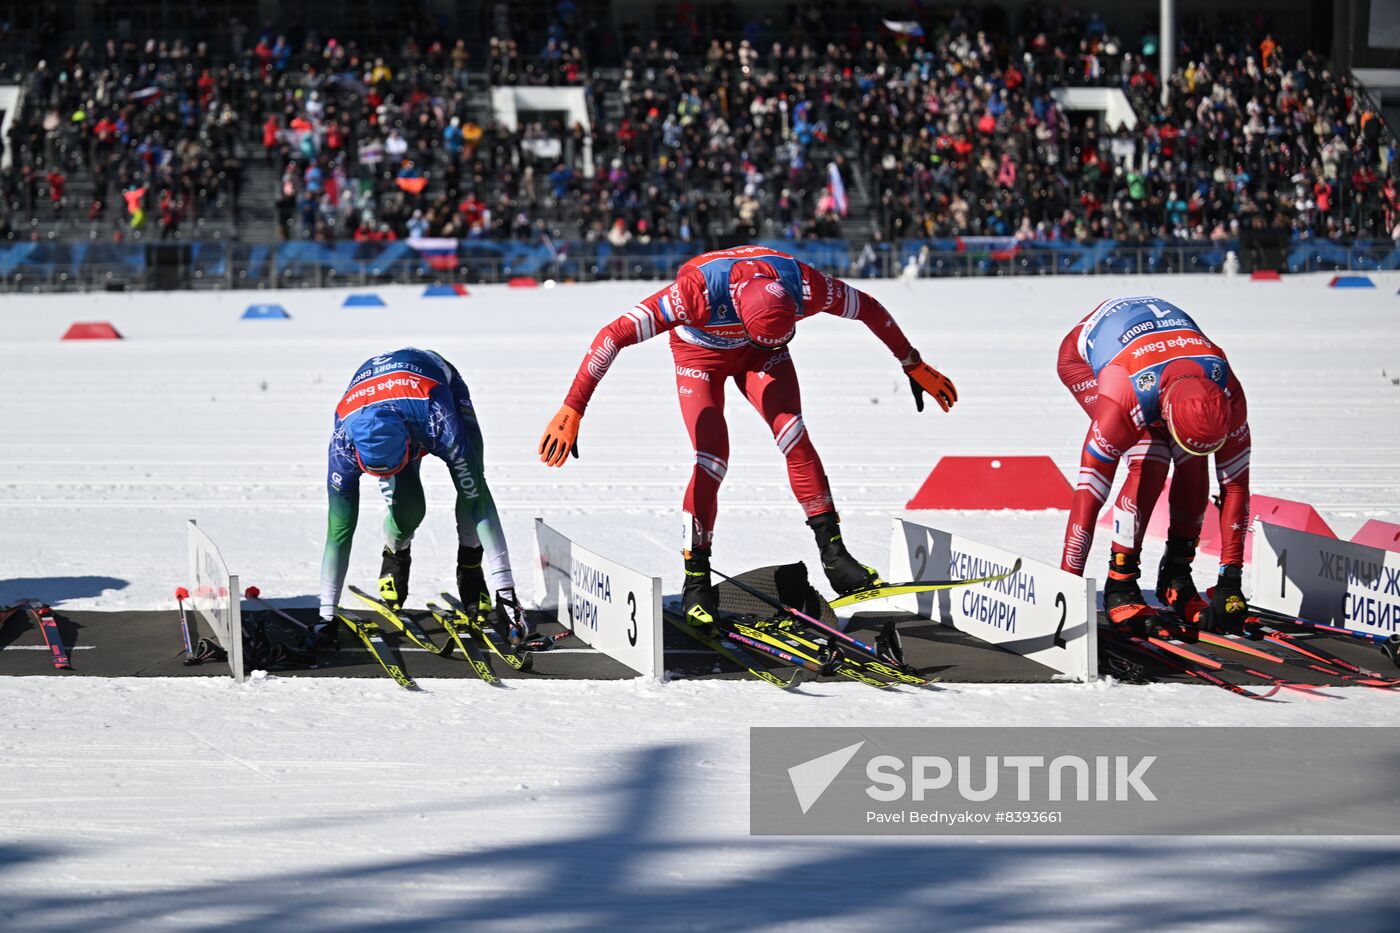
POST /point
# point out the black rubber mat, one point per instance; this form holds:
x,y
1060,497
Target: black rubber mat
x,y
934,649
148,644
954,656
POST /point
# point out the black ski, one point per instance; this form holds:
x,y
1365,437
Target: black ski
x,y
827,630
814,657
520,657
368,633
735,654
402,621
471,649
838,663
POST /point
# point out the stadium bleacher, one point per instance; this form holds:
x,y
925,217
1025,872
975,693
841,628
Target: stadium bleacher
x,y
864,135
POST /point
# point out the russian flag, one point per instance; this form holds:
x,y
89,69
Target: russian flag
x,y
144,96
997,248
440,252
837,187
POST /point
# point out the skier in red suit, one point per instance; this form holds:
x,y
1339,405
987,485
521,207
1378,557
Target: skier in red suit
x,y
731,314
1158,392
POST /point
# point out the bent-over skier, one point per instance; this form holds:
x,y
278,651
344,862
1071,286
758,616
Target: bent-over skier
x,y
731,314
398,408
1158,392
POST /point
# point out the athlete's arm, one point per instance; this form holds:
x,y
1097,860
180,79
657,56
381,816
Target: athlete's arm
x,y
676,304
343,493
833,296
680,303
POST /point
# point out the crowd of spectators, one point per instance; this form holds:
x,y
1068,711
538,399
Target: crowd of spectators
x,y
155,135
963,136
861,135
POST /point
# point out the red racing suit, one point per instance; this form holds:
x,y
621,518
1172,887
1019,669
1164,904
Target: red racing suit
x,y
1122,398
710,347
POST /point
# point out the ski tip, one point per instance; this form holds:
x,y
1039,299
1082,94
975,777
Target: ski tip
x,y
252,592
182,593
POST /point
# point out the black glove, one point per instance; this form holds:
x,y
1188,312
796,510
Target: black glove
x,y
510,619
1227,610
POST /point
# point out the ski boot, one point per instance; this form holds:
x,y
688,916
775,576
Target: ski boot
x,y
1122,598
843,572
322,638
1175,588
700,602
471,582
393,576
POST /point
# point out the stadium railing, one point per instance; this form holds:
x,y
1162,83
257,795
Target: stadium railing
x,y
42,266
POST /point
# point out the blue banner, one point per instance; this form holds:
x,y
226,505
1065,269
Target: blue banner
x,y
495,260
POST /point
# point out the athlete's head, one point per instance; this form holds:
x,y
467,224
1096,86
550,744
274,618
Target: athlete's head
x,y
767,311
1197,413
382,445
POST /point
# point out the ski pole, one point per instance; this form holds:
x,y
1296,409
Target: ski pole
x,y
182,594
1323,627
253,594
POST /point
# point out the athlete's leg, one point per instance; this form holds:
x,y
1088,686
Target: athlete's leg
x,y
1148,462
1187,501
404,493
700,377
770,384
1130,511
772,388
479,531
1189,493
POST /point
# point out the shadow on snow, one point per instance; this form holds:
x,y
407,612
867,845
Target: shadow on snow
x,y
639,871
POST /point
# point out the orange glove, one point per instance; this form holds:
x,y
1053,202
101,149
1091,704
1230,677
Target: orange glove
x,y
924,378
560,437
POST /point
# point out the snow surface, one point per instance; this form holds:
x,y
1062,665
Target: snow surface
x,y
333,804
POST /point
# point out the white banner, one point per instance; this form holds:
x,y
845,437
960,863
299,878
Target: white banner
x,y
214,596
611,607
1325,580
1041,611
